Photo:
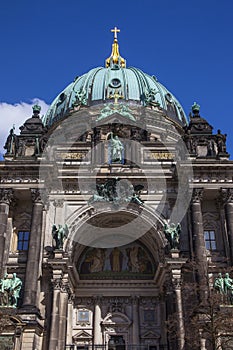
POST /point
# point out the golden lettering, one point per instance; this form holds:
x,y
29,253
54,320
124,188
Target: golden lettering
x,y
159,155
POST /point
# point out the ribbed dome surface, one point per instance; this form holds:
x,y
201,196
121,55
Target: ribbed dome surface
x,y
101,85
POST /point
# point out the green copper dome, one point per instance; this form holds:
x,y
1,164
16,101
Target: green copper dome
x,y
116,83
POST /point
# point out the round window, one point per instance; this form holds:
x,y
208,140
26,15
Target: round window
x,y
115,83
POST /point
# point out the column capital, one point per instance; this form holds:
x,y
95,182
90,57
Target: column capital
x,y
6,195
39,196
197,195
226,195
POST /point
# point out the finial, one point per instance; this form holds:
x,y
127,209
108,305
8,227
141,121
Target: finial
x,y
195,108
115,60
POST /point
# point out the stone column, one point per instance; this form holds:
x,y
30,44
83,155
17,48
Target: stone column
x,y
227,197
54,331
97,321
34,252
135,326
198,236
63,317
6,196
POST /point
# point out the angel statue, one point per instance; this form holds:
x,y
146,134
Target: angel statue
x,y
172,233
59,235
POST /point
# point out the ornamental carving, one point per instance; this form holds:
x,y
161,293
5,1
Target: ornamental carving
x,y
177,283
38,196
6,195
226,195
197,195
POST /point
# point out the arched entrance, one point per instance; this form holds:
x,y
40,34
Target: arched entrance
x,y
117,298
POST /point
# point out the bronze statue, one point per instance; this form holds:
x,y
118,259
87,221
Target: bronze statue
x,y
224,286
16,285
116,192
59,235
172,234
219,284
10,290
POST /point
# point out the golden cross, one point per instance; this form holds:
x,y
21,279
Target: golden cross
x,y
115,31
116,97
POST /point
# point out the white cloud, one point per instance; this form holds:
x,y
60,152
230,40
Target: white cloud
x,y
16,114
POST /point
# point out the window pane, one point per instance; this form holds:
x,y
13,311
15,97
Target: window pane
x,y
20,235
206,233
212,235
207,244
213,245
19,246
26,235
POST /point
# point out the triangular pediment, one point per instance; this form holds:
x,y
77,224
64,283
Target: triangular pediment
x,y
82,335
150,335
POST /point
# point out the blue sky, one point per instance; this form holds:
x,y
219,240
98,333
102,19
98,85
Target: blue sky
x,y
188,45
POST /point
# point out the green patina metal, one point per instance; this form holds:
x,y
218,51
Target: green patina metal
x,y
10,290
224,286
6,342
172,233
100,83
120,108
195,107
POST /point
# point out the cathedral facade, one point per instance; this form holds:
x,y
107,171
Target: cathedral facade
x,y
116,221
